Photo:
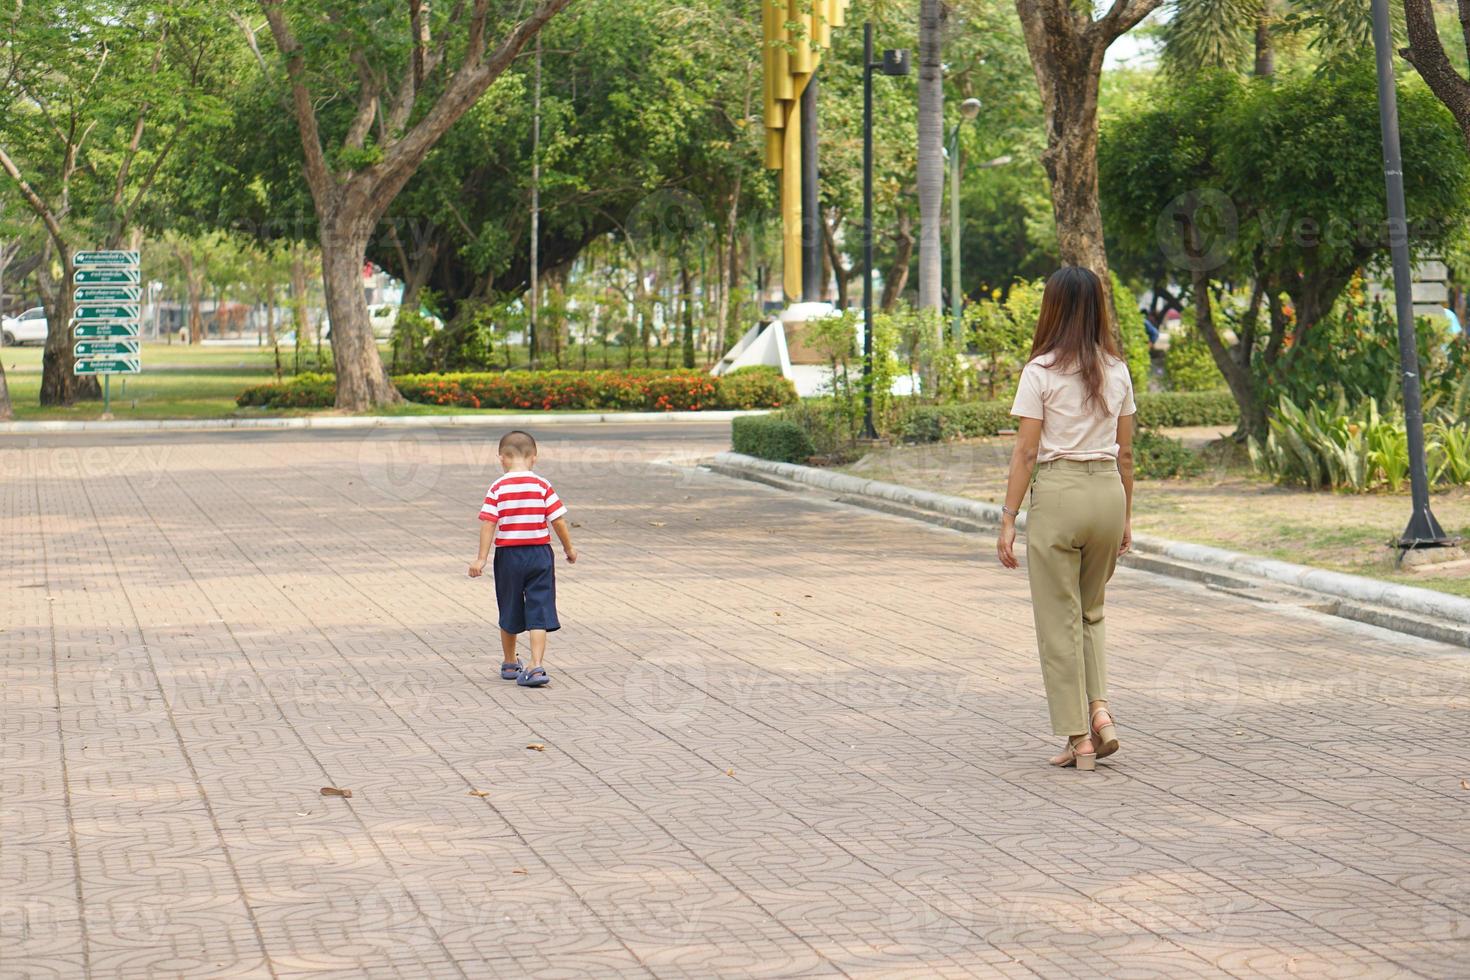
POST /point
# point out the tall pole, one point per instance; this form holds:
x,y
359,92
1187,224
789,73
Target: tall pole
x,y
957,327
811,234
535,206
869,431
1423,530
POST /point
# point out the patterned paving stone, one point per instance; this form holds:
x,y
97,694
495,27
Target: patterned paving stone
x,y
784,738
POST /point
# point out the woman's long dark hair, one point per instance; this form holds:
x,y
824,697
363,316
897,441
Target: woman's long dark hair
x,y
1073,327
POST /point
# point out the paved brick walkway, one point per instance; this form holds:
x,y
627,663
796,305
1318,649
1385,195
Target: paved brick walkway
x,y
783,738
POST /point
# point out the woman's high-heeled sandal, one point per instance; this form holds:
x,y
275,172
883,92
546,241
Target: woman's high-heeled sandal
x,y
1105,736
1084,761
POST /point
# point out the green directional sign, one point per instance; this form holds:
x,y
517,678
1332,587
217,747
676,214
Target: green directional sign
x,y
104,329
123,275
127,347
91,295
113,312
106,257
110,365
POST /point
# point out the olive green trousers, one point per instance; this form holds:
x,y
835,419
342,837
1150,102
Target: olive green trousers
x,y
1073,530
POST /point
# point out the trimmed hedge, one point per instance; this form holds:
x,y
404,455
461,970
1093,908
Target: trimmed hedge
x,y
935,423
638,390
1178,409
771,437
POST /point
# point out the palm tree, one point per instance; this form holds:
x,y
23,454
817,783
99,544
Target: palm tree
x,y
931,150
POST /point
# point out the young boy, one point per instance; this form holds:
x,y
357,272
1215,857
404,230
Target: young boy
x,y
520,512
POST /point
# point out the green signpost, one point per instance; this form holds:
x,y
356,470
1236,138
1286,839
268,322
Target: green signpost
x,y
123,275
106,316
104,329
108,366
126,346
108,294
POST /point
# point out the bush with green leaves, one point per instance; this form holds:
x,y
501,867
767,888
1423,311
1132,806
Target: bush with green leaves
x,y
1157,457
771,437
302,391
1189,365
1335,446
1186,409
757,386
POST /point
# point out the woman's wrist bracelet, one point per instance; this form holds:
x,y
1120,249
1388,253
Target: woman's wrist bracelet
x,y
1008,512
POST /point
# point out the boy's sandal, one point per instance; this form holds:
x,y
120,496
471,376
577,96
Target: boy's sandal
x,y
535,677
509,672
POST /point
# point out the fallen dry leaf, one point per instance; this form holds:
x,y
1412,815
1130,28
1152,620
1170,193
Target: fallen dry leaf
x,y
1465,784
518,871
536,747
657,523
729,772
479,792
334,791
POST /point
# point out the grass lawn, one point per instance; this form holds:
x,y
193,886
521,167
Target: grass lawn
x,y
1228,507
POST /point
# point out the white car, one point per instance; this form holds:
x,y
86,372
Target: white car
x,y
28,328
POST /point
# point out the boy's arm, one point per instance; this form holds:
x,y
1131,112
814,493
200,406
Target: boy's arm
x,y
487,539
565,535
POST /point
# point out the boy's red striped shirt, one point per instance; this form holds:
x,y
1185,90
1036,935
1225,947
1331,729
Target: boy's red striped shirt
x,y
522,505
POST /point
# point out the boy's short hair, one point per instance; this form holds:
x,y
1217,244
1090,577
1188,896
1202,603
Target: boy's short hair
x,y
517,443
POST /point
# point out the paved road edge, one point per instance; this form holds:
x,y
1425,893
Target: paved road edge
x,y
1406,609
362,421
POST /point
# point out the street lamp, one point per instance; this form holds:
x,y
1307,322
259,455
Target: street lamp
x,y
969,111
895,62
1423,530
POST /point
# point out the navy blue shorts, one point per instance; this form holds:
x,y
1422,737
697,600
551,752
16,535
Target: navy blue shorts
x,y
525,588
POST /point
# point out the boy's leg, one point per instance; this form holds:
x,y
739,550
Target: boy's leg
x,y
508,645
538,646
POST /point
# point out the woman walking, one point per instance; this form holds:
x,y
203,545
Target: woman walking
x,y
1075,406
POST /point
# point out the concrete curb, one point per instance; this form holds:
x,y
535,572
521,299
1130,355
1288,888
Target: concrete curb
x,y
365,421
1404,598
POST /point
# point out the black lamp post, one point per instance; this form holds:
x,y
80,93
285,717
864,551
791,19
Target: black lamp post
x,y
895,62
1423,530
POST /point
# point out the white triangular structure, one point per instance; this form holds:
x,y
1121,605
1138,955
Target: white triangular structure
x,y
763,344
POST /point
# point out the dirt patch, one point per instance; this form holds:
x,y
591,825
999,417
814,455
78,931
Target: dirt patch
x,y
1227,507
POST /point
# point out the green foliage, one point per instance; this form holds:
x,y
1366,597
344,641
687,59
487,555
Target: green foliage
x,y
637,390
1169,410
1157,457
1316,370
937,423
756,387
934,423
1189,365
771,437
302,391
1356,448
1000,333
1131,334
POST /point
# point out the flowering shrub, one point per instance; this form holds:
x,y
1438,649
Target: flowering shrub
x,y
638,390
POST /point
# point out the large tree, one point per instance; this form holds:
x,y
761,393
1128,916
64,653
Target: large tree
x,y
931,152
403,77
1067,45
96,98
1443,72
1271,184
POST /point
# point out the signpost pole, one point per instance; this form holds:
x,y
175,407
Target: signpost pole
x,y
107,396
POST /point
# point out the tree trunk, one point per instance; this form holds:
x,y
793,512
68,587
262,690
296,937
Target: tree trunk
x,y
1265,49
196,297
59,383
362,381
840,272
687,285
931,152
1238,375
1067,49
6,411
898,272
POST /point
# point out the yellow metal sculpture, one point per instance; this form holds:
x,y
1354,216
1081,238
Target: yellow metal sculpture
x,y
795,34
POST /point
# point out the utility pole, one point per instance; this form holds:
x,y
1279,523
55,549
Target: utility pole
x,y
894,62
1423,530
535,207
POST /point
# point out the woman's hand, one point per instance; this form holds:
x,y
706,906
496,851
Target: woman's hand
x,y
1127,538
1005,543
477,568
